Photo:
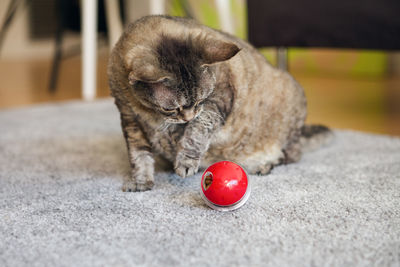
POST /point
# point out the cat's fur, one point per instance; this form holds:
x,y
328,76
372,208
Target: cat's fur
x,y
196,96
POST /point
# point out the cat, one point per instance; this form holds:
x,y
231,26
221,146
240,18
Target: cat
x,y
195,96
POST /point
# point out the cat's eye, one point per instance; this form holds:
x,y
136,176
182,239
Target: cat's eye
x,y
193,105
199,102
167,110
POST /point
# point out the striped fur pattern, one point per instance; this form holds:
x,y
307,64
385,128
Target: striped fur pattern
x,y
195,95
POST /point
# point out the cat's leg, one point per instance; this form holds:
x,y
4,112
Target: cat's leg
x,y
273,157
141,158
264,169
262,162
196,140
277,155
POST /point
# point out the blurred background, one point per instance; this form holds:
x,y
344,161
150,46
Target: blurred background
x,y
40,60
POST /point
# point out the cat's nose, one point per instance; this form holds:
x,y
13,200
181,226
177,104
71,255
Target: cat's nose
x,y
188,115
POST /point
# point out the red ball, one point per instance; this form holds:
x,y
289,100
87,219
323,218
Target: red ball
x,y
224,186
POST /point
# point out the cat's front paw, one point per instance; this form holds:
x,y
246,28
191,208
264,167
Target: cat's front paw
x,y
133,184
185,166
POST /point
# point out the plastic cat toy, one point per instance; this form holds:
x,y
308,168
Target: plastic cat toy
x,y
225,186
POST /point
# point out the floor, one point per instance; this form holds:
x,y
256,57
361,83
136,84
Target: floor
x,y
367,104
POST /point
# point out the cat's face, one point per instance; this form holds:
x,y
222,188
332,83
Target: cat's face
x,y
179,99
176,79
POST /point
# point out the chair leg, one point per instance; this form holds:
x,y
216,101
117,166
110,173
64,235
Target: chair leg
x,y
282,58
9,16
225,15
157,7
89,48
114,22
56,60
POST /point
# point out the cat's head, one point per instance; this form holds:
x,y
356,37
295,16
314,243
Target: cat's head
x,y
175,77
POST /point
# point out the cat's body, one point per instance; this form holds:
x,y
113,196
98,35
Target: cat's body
x,y
196,96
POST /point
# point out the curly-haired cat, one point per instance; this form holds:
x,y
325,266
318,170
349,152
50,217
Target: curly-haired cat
x,y
195,96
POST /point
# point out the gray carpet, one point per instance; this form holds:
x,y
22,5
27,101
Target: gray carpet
x,y
61,169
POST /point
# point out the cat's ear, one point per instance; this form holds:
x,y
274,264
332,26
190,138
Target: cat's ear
x,y
216,51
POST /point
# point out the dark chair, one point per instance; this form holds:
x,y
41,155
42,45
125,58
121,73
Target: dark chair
x,y
360,24
69,19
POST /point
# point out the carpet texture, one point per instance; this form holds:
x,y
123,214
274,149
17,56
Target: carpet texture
x,y
61,169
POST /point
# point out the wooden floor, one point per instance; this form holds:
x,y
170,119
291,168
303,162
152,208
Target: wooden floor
x,y
359,103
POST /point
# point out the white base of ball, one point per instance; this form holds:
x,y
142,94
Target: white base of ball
x,y
234,206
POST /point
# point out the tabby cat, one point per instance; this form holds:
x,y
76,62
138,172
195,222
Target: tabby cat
x,y
195,96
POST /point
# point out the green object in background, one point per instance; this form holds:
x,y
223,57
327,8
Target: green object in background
x,y
207,14
205,11
371,63
339,61
269,54
176,8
